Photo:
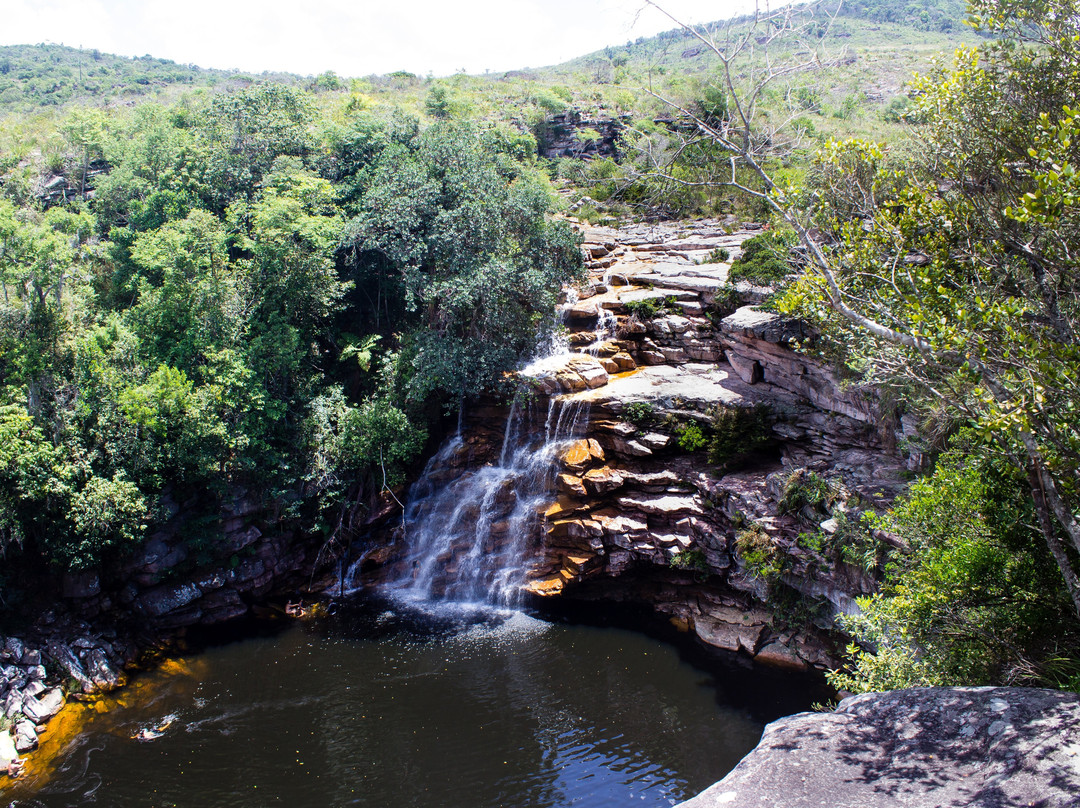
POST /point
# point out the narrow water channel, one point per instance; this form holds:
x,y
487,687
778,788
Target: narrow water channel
x,y
382,706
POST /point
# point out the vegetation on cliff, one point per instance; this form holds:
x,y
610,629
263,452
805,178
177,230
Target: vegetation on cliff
x,y
282,282
252,295
945,270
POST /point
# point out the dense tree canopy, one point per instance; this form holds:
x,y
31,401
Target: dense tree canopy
x,y
957,273
253,295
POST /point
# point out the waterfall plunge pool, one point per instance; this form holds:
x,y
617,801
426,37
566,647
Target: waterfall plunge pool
x,y
384,705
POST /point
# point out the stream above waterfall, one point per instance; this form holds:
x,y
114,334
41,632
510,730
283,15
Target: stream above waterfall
x,y
382,705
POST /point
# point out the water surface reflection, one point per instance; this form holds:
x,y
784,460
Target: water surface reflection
x,y
378,706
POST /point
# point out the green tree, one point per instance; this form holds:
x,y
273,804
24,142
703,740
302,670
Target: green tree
x,y
452,235
956,273
85,131
962,268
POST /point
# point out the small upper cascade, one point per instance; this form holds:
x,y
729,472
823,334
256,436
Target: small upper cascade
x,y
470,538
606,324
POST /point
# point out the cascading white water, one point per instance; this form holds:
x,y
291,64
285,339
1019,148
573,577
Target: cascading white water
x,y
469,537
606,323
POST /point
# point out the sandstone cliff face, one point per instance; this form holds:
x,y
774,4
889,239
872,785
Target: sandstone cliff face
x,y
732,548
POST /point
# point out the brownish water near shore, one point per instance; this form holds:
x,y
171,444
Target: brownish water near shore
x,y
377,706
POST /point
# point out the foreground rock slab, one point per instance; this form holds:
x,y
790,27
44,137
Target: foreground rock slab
x,y
920,748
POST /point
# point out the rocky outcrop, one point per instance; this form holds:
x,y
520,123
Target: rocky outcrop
x,y
722,473
920,748
570,134
164,586
710,534
30,696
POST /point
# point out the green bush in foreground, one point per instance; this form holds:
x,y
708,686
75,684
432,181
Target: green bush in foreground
x,y
975,598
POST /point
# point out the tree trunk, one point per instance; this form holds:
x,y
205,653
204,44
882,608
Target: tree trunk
x,y
1057,549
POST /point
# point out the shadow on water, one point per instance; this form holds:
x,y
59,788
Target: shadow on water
x,y
442,706
764,692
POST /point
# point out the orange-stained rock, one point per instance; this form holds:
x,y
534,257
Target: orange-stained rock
x,y
563,506
569,380
681,624
568,529
569,484
602,480
624,361
577,454
581,454
545,587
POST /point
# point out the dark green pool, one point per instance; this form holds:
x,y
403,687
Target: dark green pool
x,y
377,706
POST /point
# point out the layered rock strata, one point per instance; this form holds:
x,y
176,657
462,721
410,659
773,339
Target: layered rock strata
x,y
666,356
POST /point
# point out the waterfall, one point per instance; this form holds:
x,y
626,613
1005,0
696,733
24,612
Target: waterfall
x,y
606,324
469,538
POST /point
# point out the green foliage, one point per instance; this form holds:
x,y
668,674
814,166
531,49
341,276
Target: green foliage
x,y
805,489
736,433
718,256
974,598
649,308
765,259
461,222
640,413
193,324
46,75
690,437
762,558
952,272
692,560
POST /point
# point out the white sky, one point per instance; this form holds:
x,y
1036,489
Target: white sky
x,y
350,37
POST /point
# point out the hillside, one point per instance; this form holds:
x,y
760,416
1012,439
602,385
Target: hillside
x,y
48,75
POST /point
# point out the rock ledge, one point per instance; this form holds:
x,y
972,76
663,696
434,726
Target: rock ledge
x,y
919,748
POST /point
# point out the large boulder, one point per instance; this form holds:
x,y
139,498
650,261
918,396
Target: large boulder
x,y
982,747
40,710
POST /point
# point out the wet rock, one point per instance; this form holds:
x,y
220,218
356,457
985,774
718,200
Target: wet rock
x,y
602,481
571,485
81,585
41,709
168,598
235,542
14,648
562,507
26,739
582,454
66,659
13,704
100,671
